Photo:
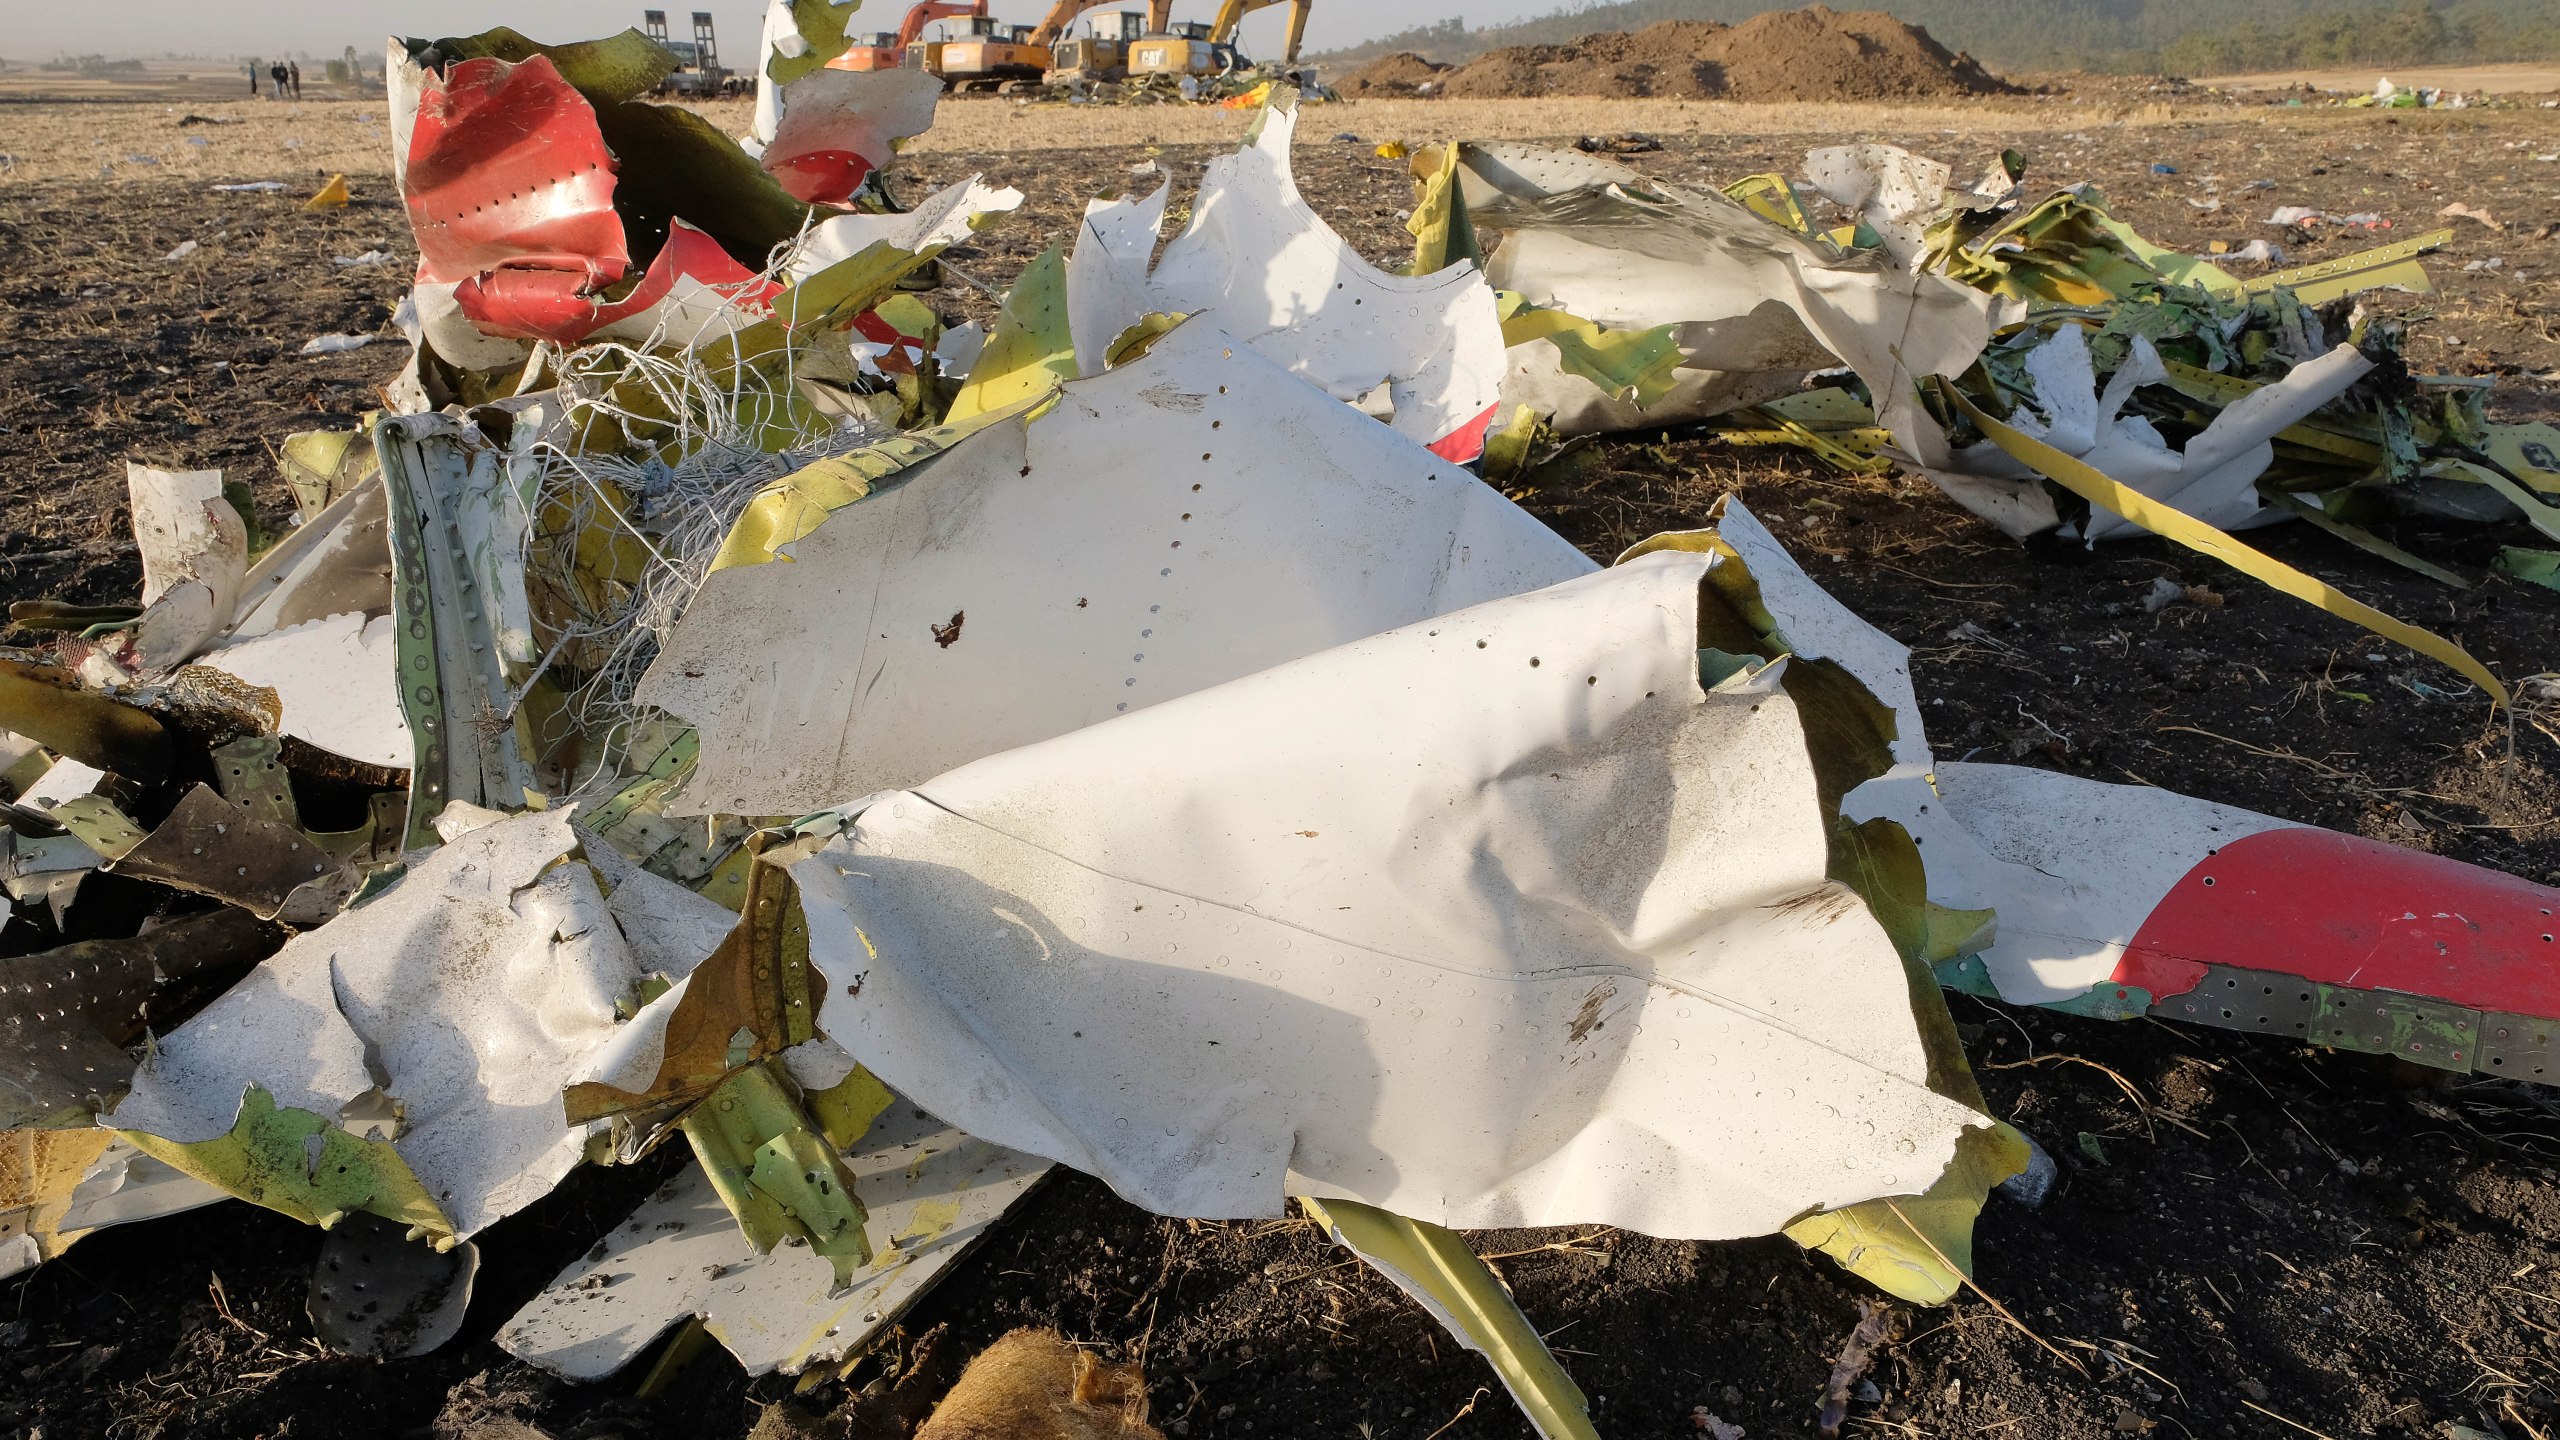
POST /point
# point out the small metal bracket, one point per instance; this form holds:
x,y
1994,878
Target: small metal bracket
x,y
2519,1047
250,774
2411,1027
2263,1001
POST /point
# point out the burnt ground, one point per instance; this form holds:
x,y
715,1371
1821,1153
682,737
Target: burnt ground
x,y
2249,1238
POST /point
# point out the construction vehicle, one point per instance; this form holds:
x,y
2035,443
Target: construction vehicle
x,y
1195,49
989,56
1102,55
698,70
884,50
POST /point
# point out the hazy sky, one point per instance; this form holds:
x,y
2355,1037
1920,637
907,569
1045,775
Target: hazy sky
x,y
325,27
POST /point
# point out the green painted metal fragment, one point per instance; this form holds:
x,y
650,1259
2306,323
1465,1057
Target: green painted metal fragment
x,y
2537,567
607,72
775,1172
299,1164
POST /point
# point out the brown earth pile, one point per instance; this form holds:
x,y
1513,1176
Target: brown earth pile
x,y
1401,75
1813,54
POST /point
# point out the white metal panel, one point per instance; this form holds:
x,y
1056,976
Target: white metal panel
x,y
931,1193
1277,277
337,682
1190,517
478,984
1492,920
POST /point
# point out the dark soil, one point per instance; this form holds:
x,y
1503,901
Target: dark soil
x,y
2250,1238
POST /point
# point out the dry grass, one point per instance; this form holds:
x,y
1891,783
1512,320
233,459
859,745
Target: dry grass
x,y
2488,79
301,143
297,143
979,125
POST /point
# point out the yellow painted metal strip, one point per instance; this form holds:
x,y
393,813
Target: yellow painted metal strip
x,y
2096,487
1436,1268
2393,264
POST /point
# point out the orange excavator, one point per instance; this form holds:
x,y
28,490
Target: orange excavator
x,y
881,50
991,56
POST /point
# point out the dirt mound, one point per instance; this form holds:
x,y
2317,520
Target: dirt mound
x,y
1401,74
1811,54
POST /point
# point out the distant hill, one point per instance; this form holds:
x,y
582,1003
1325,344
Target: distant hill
x,y
2183,37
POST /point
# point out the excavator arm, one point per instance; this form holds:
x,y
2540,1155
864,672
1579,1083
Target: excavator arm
x,y
1063,14
1231,14
928,11
1159,16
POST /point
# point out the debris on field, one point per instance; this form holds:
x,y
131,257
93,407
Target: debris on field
x,y
332,195
1857,1353
2458,210
1254,255
723,700
252,187
2540,567
1441,1274
2306,216
185,249
1026,823
376,1292
1628,144
2054,315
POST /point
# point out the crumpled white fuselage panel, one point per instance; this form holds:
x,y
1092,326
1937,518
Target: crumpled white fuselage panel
x,y
1493,920
1190,517
478,985
1271,273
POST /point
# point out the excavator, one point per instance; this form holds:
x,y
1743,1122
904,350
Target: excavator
x,y
1101,55
1195,49
881,50
992,56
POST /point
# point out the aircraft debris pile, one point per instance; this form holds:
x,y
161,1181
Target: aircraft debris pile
x,y
720,703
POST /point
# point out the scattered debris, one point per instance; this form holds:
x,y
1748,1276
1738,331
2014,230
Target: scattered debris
x,y
1849,1371
722,698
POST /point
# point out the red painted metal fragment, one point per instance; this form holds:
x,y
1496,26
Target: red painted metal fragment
x,y
820,177
2360,914
507,169
1467,441
548,304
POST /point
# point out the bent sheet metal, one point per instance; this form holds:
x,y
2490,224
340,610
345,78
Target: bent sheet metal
x,y
1497,919
2124,900
1034,558
1276,277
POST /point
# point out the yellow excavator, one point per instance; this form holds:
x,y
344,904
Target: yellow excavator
x,y
1195,49
1101,55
